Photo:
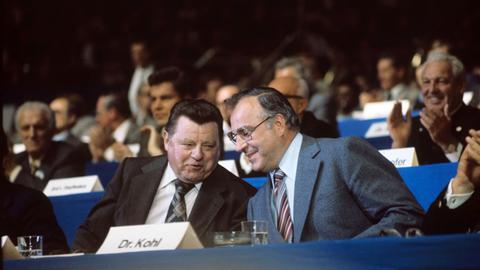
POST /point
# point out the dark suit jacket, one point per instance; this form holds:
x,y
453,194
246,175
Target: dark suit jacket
x,y
60,161
25,211
316,128
442,220
344,188
220,204
428,152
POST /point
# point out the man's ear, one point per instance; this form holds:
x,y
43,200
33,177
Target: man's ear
x,y
165,136
279,124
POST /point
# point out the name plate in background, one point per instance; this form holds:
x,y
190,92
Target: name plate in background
x,y
150,237
377,129
73,185
230,165
9,251
401,157
382,109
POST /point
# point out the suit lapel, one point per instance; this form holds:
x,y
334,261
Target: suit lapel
x,y
208,203
307,174
143,189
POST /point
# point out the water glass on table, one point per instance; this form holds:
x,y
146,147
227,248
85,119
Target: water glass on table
x,y
30,245
258,231
231,239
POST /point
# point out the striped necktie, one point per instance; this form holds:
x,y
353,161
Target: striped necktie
x,y
284,221
177,212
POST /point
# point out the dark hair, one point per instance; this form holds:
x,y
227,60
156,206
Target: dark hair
x,y
75,104
197,110
173,75
272,102
119,102
398,61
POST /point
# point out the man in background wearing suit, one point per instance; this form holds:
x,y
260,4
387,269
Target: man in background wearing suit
x,y
147,190
43,158
457,208
318,188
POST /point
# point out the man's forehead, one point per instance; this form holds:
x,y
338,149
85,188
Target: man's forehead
x,y
246,110
437,69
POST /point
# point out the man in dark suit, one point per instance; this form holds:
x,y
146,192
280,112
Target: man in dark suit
x,y
318,188
144,190
296,91
438,134
457,208
25,211
43,159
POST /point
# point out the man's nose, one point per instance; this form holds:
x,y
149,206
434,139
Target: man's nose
x,y
197,153
240,145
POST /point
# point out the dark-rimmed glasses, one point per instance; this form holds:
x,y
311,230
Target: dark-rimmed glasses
x,y
244,132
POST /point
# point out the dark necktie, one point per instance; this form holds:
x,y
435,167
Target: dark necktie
x,y
284,221
177,212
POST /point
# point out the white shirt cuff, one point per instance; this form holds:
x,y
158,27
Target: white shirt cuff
x,y
455,156
109,155
455,200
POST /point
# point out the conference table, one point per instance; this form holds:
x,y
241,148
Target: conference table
x,y
433,252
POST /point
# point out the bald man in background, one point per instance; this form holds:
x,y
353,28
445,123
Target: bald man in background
x,y
296,91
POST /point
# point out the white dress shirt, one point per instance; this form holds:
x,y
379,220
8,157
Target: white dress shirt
x,y
139,77
288,164
455,200
165,192
119,135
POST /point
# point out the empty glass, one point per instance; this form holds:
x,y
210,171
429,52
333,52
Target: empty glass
x,y
231,239
31,245
258,231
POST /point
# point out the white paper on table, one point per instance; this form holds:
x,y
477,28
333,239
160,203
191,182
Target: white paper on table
x,y
377,129
401,157
150,237
383,108
230,165
73,185
9,251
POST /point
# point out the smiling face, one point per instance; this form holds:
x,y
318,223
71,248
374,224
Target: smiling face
x,y
193,150
267,143
439,86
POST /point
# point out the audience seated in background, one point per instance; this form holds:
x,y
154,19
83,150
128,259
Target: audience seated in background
x,y
438,133
166,87
392,74
43,159
114,130
141,59
321,104
25,211
457,208
145,190
224,93
319,188
296,91
65,119
144,115
346,93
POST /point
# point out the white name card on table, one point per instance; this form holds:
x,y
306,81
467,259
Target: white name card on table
x,y
401,157
9,251
230,165
383,108
377,129
73,185
150,237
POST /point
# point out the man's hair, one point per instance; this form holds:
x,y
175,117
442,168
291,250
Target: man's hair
x,y
75,104
119,102
458,70
294,62
173,75
199,111
398,61
272,103
39,106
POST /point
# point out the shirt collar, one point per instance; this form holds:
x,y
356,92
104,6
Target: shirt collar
x,y
288,163
169,176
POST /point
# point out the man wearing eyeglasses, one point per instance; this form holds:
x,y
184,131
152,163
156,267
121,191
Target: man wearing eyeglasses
x,y
318,188
296,91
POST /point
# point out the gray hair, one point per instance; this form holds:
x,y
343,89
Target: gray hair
x,y
36,106
458,70
294,62
272,103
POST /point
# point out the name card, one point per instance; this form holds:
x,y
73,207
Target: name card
x,y
383,108
150,237
401,157
9,251
74,185
229,165
377,129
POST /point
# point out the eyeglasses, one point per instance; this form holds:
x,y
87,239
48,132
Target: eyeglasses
x,y
244,132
